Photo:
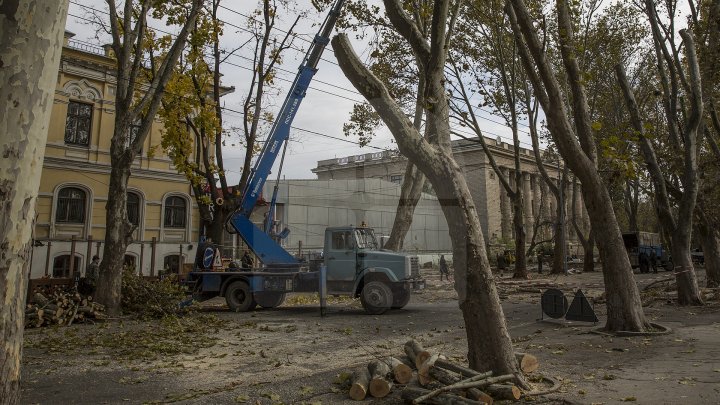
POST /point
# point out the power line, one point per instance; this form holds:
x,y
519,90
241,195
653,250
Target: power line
x,y
292,73
287,71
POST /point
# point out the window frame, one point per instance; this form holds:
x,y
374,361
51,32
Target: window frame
x,y
175,209
65,208
137,212
78,116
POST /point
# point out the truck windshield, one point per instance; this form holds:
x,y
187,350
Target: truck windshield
x,y
365,239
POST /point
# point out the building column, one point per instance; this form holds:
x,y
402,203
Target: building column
x,y
527,197
505,208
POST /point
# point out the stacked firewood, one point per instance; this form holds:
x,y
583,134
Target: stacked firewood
x,y
61,307
439,381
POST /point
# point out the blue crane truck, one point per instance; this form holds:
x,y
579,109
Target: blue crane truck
x,y
352,265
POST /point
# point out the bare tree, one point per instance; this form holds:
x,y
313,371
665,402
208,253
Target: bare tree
x,y
31,33
576,145
136,103
489,344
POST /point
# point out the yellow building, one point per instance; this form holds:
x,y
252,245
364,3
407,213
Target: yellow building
x,y
75,177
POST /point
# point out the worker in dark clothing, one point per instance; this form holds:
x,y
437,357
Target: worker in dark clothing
x,y
644,262
653,261
444,268
246,261
88,283
501,262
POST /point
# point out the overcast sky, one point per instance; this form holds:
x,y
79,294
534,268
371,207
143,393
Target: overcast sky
x,y
325,108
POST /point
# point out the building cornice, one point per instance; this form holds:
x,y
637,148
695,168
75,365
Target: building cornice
x,y
99,168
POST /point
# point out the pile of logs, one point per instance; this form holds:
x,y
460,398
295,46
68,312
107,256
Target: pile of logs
x,y
439,381
61,308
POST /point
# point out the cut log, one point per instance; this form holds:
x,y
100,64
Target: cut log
x,y
410,394
463,371
41,300
380,385
527,362
360,381
424,370
419,355
504,391
401,371
447,378
478,381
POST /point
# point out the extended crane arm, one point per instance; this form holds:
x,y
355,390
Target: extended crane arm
x,y
261,244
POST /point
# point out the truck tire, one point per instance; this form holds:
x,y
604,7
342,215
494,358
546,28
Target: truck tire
x,y
239,298
376,297
401,297
269,299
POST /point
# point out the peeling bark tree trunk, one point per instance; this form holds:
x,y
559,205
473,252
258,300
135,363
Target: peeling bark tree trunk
x,y
410,193
577,147
31,34
489,344
413,183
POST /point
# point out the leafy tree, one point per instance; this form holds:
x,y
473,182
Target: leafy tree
x,y
489,344
684,122
572,130
142,76
195,131
31,38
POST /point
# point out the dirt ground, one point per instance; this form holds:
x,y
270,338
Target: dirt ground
x,y
292,355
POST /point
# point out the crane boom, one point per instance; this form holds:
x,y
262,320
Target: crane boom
x,y
269,251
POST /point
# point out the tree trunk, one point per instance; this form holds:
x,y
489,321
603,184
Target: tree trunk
x,y
32,33
687,286
410,194
589,256
710,242
576,146
117,238
708,237
558,242
520,235
489,343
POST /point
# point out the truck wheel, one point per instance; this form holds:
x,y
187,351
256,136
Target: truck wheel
x,y
269,299
238,297
401,298
376,297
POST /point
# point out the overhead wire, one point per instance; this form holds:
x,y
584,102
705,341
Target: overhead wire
x,y
315,80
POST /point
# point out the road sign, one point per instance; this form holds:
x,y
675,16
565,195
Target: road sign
x,y
553,303
218,259
208,255
581,309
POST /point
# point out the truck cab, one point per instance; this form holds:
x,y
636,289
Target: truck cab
x,y
357,267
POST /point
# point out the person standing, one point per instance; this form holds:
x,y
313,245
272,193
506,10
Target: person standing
x,y
501,262
91,275
644,262
653,261
444,268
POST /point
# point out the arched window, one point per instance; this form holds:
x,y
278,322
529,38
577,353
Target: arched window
x,y
130,261
175,212
133,208
61,266
71,206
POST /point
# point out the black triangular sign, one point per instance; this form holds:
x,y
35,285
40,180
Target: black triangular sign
x,y
580,309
